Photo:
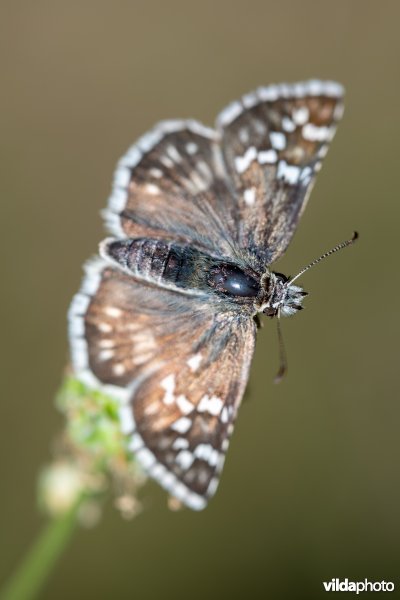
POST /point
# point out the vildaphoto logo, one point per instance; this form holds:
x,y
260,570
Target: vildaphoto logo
x,y
344,585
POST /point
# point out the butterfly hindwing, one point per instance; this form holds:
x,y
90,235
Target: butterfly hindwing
x,y
184,413
179,365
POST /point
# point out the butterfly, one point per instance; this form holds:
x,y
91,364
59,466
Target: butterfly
x,y
166,317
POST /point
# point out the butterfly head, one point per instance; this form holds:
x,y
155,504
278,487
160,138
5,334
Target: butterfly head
x,y
282,297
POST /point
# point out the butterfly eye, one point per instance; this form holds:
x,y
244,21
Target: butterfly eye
x,y
229,279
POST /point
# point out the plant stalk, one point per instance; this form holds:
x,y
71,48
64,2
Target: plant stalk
x,y
30,576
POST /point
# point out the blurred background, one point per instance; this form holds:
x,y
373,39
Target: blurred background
x,y
311,486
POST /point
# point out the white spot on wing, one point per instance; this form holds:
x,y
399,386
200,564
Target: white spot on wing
x,y
278,140
317,166
118,369
244,135
185,459
113,312
243,162
313,133
106,343
288,124
191,148
144,346
167,162
306,175
207,453
250,196
142,358
212,488
106,354
143,341
157,173
300,115
338,111
224,415
213,459
260,127
182,425
180,444
168,384
152,409
203,451
323,151
174,154
184,405
205,171
225,445
194,362
289,173
267,157
152,189
212,405
200,184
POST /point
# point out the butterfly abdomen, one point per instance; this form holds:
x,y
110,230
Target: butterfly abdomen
x,y
165,263
182,266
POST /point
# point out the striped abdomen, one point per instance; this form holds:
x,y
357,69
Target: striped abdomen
x,y
162,262
173,265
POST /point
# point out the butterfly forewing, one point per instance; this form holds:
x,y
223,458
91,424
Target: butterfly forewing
x,y
273,143
172,185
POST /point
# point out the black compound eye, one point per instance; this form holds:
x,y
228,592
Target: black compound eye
x,y
229,279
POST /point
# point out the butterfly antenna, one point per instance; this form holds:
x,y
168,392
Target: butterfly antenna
x,y
325,255
282,352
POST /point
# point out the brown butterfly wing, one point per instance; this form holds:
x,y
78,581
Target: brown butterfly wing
x,y
273,143
179,366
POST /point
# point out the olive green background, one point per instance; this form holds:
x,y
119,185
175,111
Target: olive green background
x,y
311,489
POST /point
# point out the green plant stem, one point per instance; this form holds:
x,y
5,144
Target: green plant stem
x,y
28,579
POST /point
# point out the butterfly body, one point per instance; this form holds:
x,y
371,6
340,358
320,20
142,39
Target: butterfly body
x,y
189,270
166,317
